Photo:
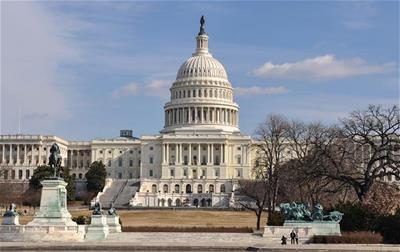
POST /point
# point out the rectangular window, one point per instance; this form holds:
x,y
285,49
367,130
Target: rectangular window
x,y
203,173
151,160
239,160
151,173
130,163
217,173
185,172
172,172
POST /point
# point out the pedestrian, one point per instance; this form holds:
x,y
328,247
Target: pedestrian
x,y
283,240
297,238
292,237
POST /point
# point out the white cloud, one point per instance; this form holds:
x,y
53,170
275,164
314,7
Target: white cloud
x,y
322,68
33,46
256,90
153,88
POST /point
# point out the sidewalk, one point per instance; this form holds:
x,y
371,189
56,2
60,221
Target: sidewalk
x,y
190,242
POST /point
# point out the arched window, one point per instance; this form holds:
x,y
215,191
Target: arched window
x,y
165,188
178,202
27,174
20,174
80,176
188,188
154,188
211,188
199,189
222,189
169,202
176,188
163,202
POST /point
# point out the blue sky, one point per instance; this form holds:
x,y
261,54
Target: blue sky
x,y
64,64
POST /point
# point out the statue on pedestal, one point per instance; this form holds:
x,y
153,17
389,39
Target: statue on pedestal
x,y
55,160
11,216
112,210
97,209
11,211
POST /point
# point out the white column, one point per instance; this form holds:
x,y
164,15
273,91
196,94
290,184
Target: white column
x,y
25,154
18,162
198,154
167,154
195,114
10,153
226,154
189,115
202,115
212,154
176,154
180,153
208,154
190,154
163,153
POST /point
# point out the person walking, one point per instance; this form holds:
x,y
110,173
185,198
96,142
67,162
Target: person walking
x,y
292,237
297,238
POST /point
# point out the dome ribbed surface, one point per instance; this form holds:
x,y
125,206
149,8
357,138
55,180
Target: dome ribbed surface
x,y
202,66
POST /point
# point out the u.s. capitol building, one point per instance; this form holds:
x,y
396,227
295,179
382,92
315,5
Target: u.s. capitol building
x,y
195,160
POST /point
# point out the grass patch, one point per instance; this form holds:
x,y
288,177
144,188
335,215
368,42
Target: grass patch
x,y
362,237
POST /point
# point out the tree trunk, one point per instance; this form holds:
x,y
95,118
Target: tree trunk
x,y
258,220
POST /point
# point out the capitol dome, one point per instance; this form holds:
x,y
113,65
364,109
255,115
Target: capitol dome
x,y
201,96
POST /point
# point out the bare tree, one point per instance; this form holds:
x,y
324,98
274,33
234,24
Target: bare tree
x,y
298,180
363,150
270,141
252,195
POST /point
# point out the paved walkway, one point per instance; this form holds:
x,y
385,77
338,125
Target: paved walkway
x,y
189,242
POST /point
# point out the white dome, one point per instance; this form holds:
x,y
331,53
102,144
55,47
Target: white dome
x,y
201,96
202,66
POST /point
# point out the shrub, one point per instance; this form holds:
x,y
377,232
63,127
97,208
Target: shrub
x,y
389,227
189,229
356,217
275,219
82,220
362,237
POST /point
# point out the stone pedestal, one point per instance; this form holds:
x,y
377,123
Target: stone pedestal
x,y
113,224
98,228
52,222
317,227
53,205
10,220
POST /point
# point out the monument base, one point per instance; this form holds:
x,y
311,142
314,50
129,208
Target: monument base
x,y
53,205
98,228
317,227
113,224
51,223
304,230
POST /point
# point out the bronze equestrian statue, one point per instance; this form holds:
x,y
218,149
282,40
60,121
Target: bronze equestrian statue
x,y
55,160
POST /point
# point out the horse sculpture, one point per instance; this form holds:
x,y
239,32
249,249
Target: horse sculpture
x,y
55,159
300,212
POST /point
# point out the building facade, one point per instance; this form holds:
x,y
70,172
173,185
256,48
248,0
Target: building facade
x,y
194,160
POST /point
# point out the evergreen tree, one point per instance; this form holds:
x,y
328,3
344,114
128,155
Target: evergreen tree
x,y
96,177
